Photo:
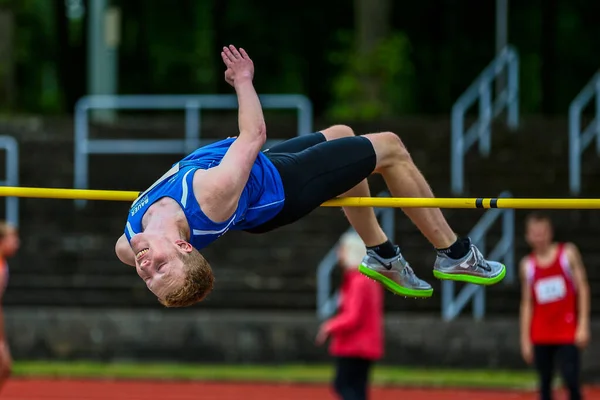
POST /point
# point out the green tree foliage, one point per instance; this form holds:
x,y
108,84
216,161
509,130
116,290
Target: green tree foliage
x,y
388,67
33,52
167,49
421,64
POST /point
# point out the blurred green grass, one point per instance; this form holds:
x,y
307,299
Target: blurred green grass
x,y
382,375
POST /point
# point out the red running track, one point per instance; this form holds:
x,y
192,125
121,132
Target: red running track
x,y
34,389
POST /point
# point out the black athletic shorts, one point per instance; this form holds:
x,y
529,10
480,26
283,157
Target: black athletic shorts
x,y
314,170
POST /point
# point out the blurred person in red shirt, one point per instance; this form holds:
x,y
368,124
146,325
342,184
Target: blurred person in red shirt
x,y
9,244
555,307
357,330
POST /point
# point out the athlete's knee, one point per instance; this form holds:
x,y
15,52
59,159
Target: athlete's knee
x,y
337,132
390,150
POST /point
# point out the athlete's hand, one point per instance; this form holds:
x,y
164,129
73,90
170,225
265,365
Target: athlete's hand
x,y
322,335
582,336
5,356
527,352
239,65
5,359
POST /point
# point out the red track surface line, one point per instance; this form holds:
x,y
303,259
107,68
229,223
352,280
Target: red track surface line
x,y
46,389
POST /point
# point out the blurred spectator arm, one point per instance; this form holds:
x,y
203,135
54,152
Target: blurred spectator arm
x,y
525,313
3,282
583,294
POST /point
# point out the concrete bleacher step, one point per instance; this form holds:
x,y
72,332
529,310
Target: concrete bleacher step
x,y
80,297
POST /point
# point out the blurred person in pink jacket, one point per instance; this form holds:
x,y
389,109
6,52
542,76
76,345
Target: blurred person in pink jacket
x,y
357,330
9,244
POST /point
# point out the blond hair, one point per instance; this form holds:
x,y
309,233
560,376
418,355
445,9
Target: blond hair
x,y
199,281
351,249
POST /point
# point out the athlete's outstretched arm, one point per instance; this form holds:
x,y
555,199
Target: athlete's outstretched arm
x,y
124,251
220,188
582,336
525,314
239,74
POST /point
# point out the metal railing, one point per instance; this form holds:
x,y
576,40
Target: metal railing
x,y
453,304
10,145
327,302
580,139
481,89
192,104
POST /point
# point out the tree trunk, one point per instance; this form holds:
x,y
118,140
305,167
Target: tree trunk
x,y
372,21
63,54
548,53
7,78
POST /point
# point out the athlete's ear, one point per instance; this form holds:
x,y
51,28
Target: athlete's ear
x,y
185,246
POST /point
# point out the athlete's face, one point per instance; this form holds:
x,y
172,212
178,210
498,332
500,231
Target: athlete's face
x,y
10,243
158,262
538,233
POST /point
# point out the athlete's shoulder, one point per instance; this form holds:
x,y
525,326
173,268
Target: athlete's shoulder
x,y
525,261
570,247
526,266
573,255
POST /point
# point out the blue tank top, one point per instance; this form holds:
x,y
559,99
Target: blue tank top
x,y
261,199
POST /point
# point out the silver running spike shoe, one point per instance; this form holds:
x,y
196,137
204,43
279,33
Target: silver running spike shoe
x,y
472,268
395,274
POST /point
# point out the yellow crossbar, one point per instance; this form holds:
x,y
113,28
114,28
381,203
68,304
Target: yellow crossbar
x,y
487,202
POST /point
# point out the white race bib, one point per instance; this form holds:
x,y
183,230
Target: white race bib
x,y
551,289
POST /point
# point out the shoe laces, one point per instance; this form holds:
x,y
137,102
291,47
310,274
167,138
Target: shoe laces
x,y
408,271
480,262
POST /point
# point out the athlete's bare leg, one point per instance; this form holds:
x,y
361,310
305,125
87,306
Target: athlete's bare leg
x,y
401,277
362,219
404,179
457,259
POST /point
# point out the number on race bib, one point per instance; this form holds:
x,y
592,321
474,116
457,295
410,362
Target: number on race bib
x,y
551,289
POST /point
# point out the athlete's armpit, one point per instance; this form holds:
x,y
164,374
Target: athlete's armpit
x,y
124,251
525,309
